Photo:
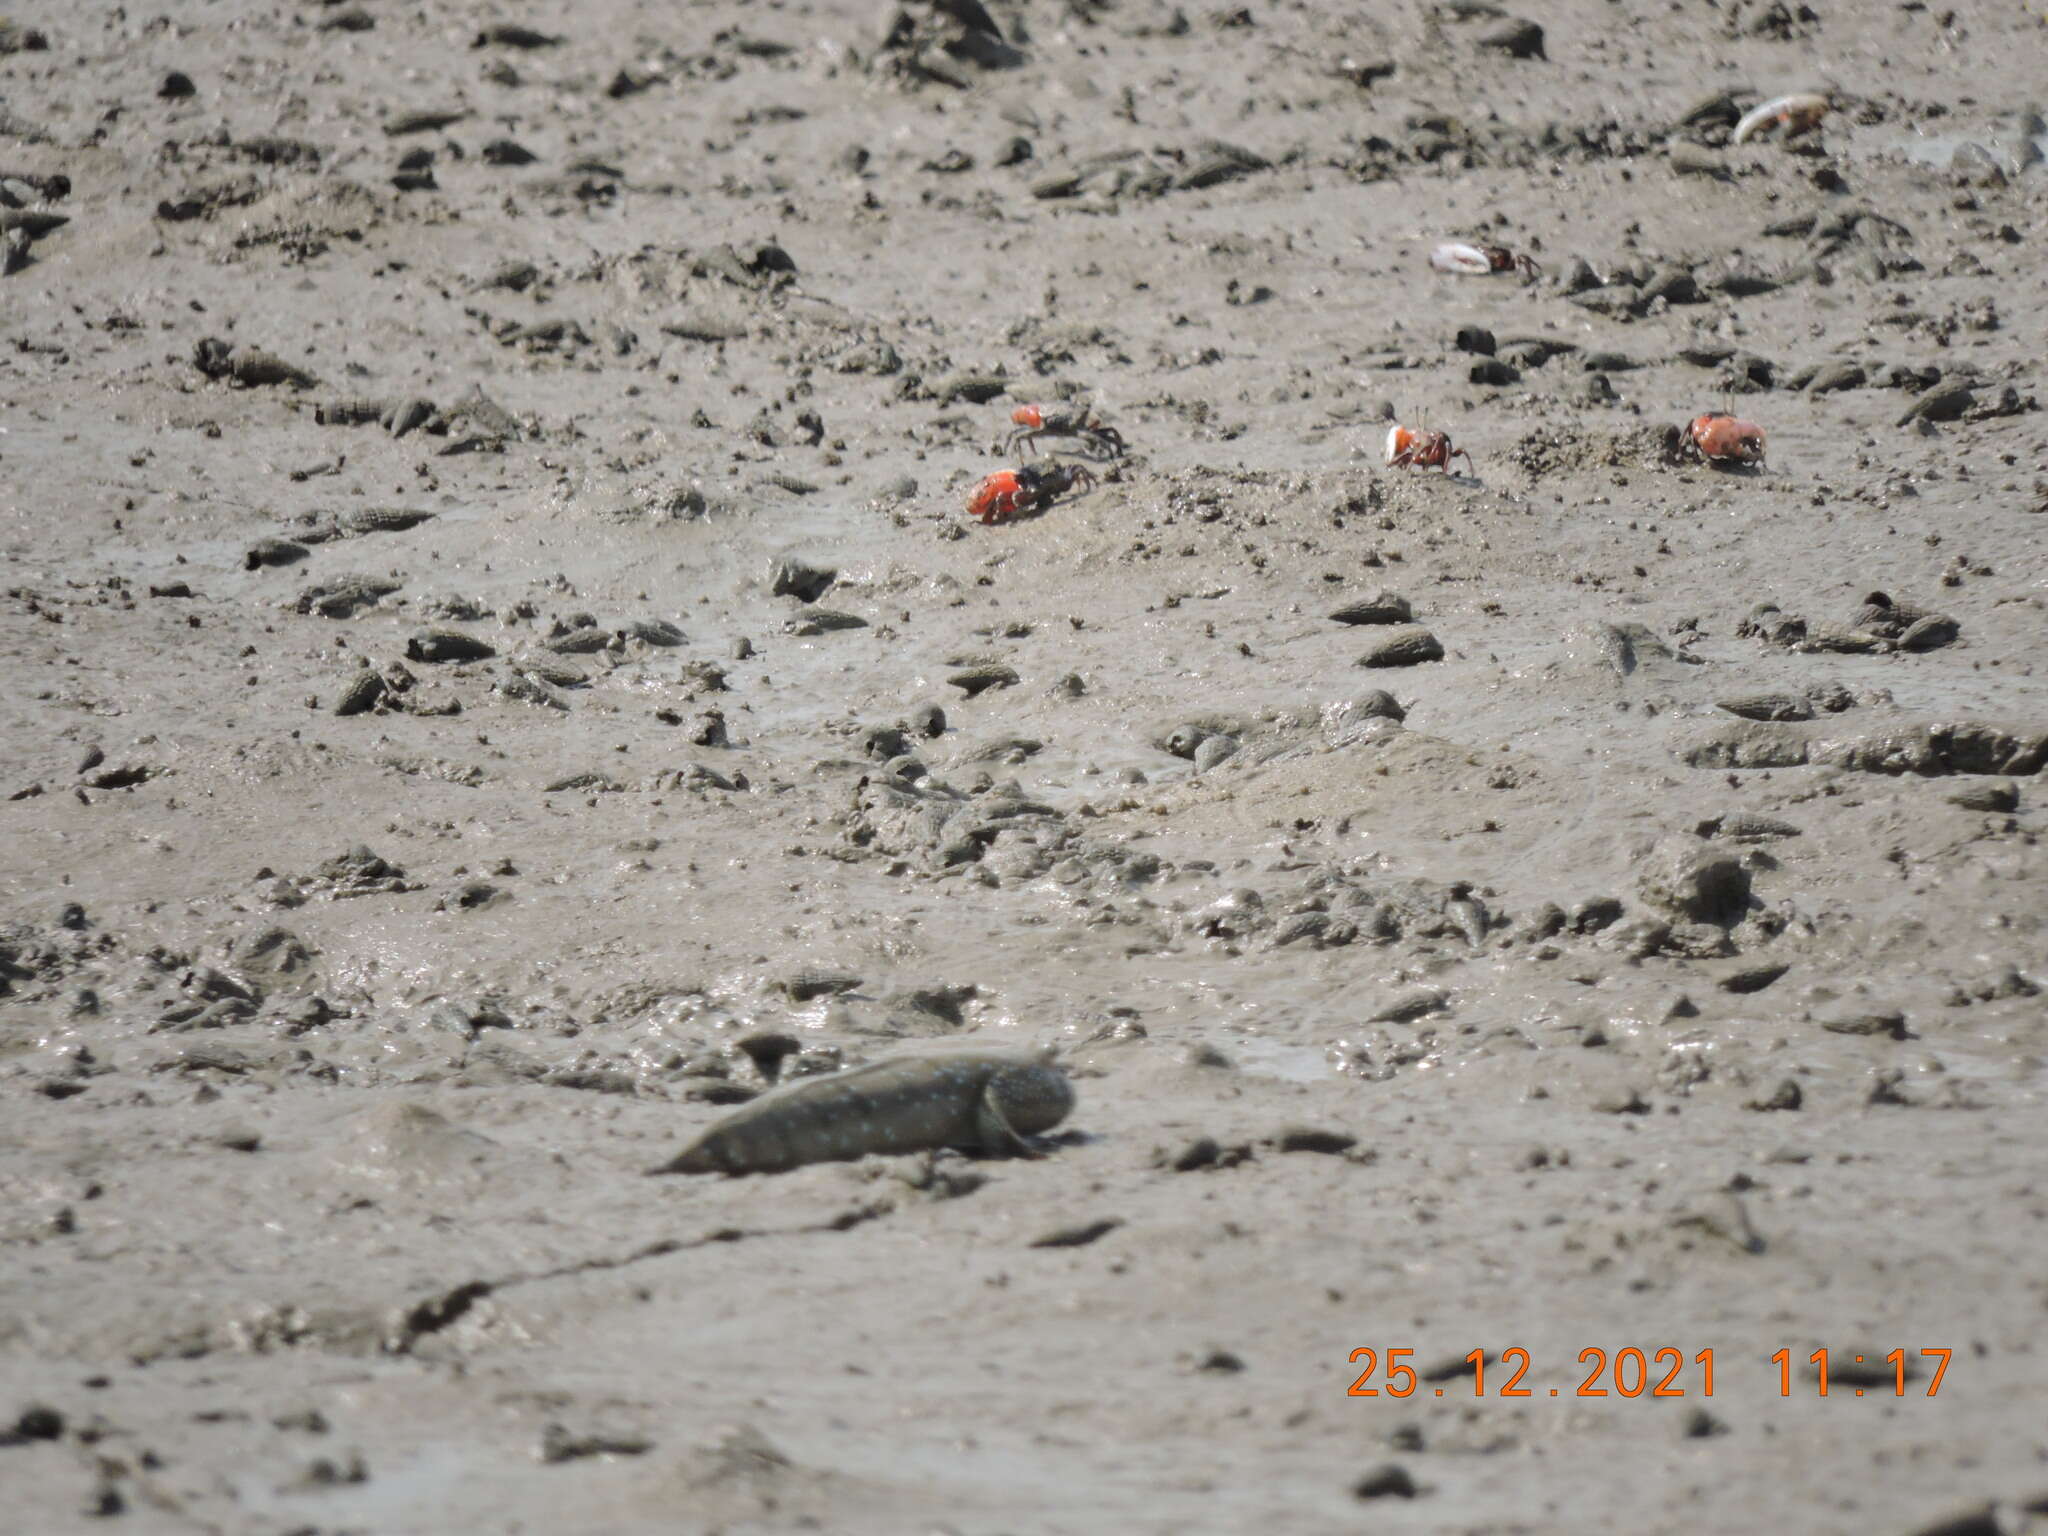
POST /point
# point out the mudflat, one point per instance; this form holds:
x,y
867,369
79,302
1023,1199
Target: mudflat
x,y
1546,941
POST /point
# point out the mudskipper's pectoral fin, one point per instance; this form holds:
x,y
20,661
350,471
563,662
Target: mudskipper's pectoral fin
x,y
682,1162
994,1131
697,1157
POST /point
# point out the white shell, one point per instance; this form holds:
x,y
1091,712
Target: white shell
x,y
1800,104
1455,256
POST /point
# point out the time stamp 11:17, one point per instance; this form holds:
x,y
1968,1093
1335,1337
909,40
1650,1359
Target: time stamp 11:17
x,y
1634,1372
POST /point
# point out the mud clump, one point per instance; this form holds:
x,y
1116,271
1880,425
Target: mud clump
x,y
1696,882
1550,451
1407,646
1926,750
249,367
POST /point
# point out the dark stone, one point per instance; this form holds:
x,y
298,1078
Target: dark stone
x,y
805,985
1389,1481
1078,1236
1785,1096
1837,376
1306,1138
767,1049
1516,38
1944,402
39,1422
800,579
1674,285
1753,978
1888,1022
1385,608
1595,914
447,645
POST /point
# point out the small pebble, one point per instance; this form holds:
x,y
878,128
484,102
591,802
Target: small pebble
x,y
1389,1481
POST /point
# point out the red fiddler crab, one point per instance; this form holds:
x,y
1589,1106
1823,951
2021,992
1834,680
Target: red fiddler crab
x,y
1717,438
1035,421
1481,260
1010,492
1422,450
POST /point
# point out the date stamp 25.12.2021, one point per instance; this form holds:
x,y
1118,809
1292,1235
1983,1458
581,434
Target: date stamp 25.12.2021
x,y
1636,1372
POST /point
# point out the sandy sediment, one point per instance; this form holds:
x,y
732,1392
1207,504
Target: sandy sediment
x,y
500,674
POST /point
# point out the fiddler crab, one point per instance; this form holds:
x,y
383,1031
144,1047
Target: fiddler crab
x,y
1481,260
1422,450
1035,421
1010,492
1717,438
1795,114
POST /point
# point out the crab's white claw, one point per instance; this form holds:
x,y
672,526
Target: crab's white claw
x,y
1797,112
1456,256
1393,444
